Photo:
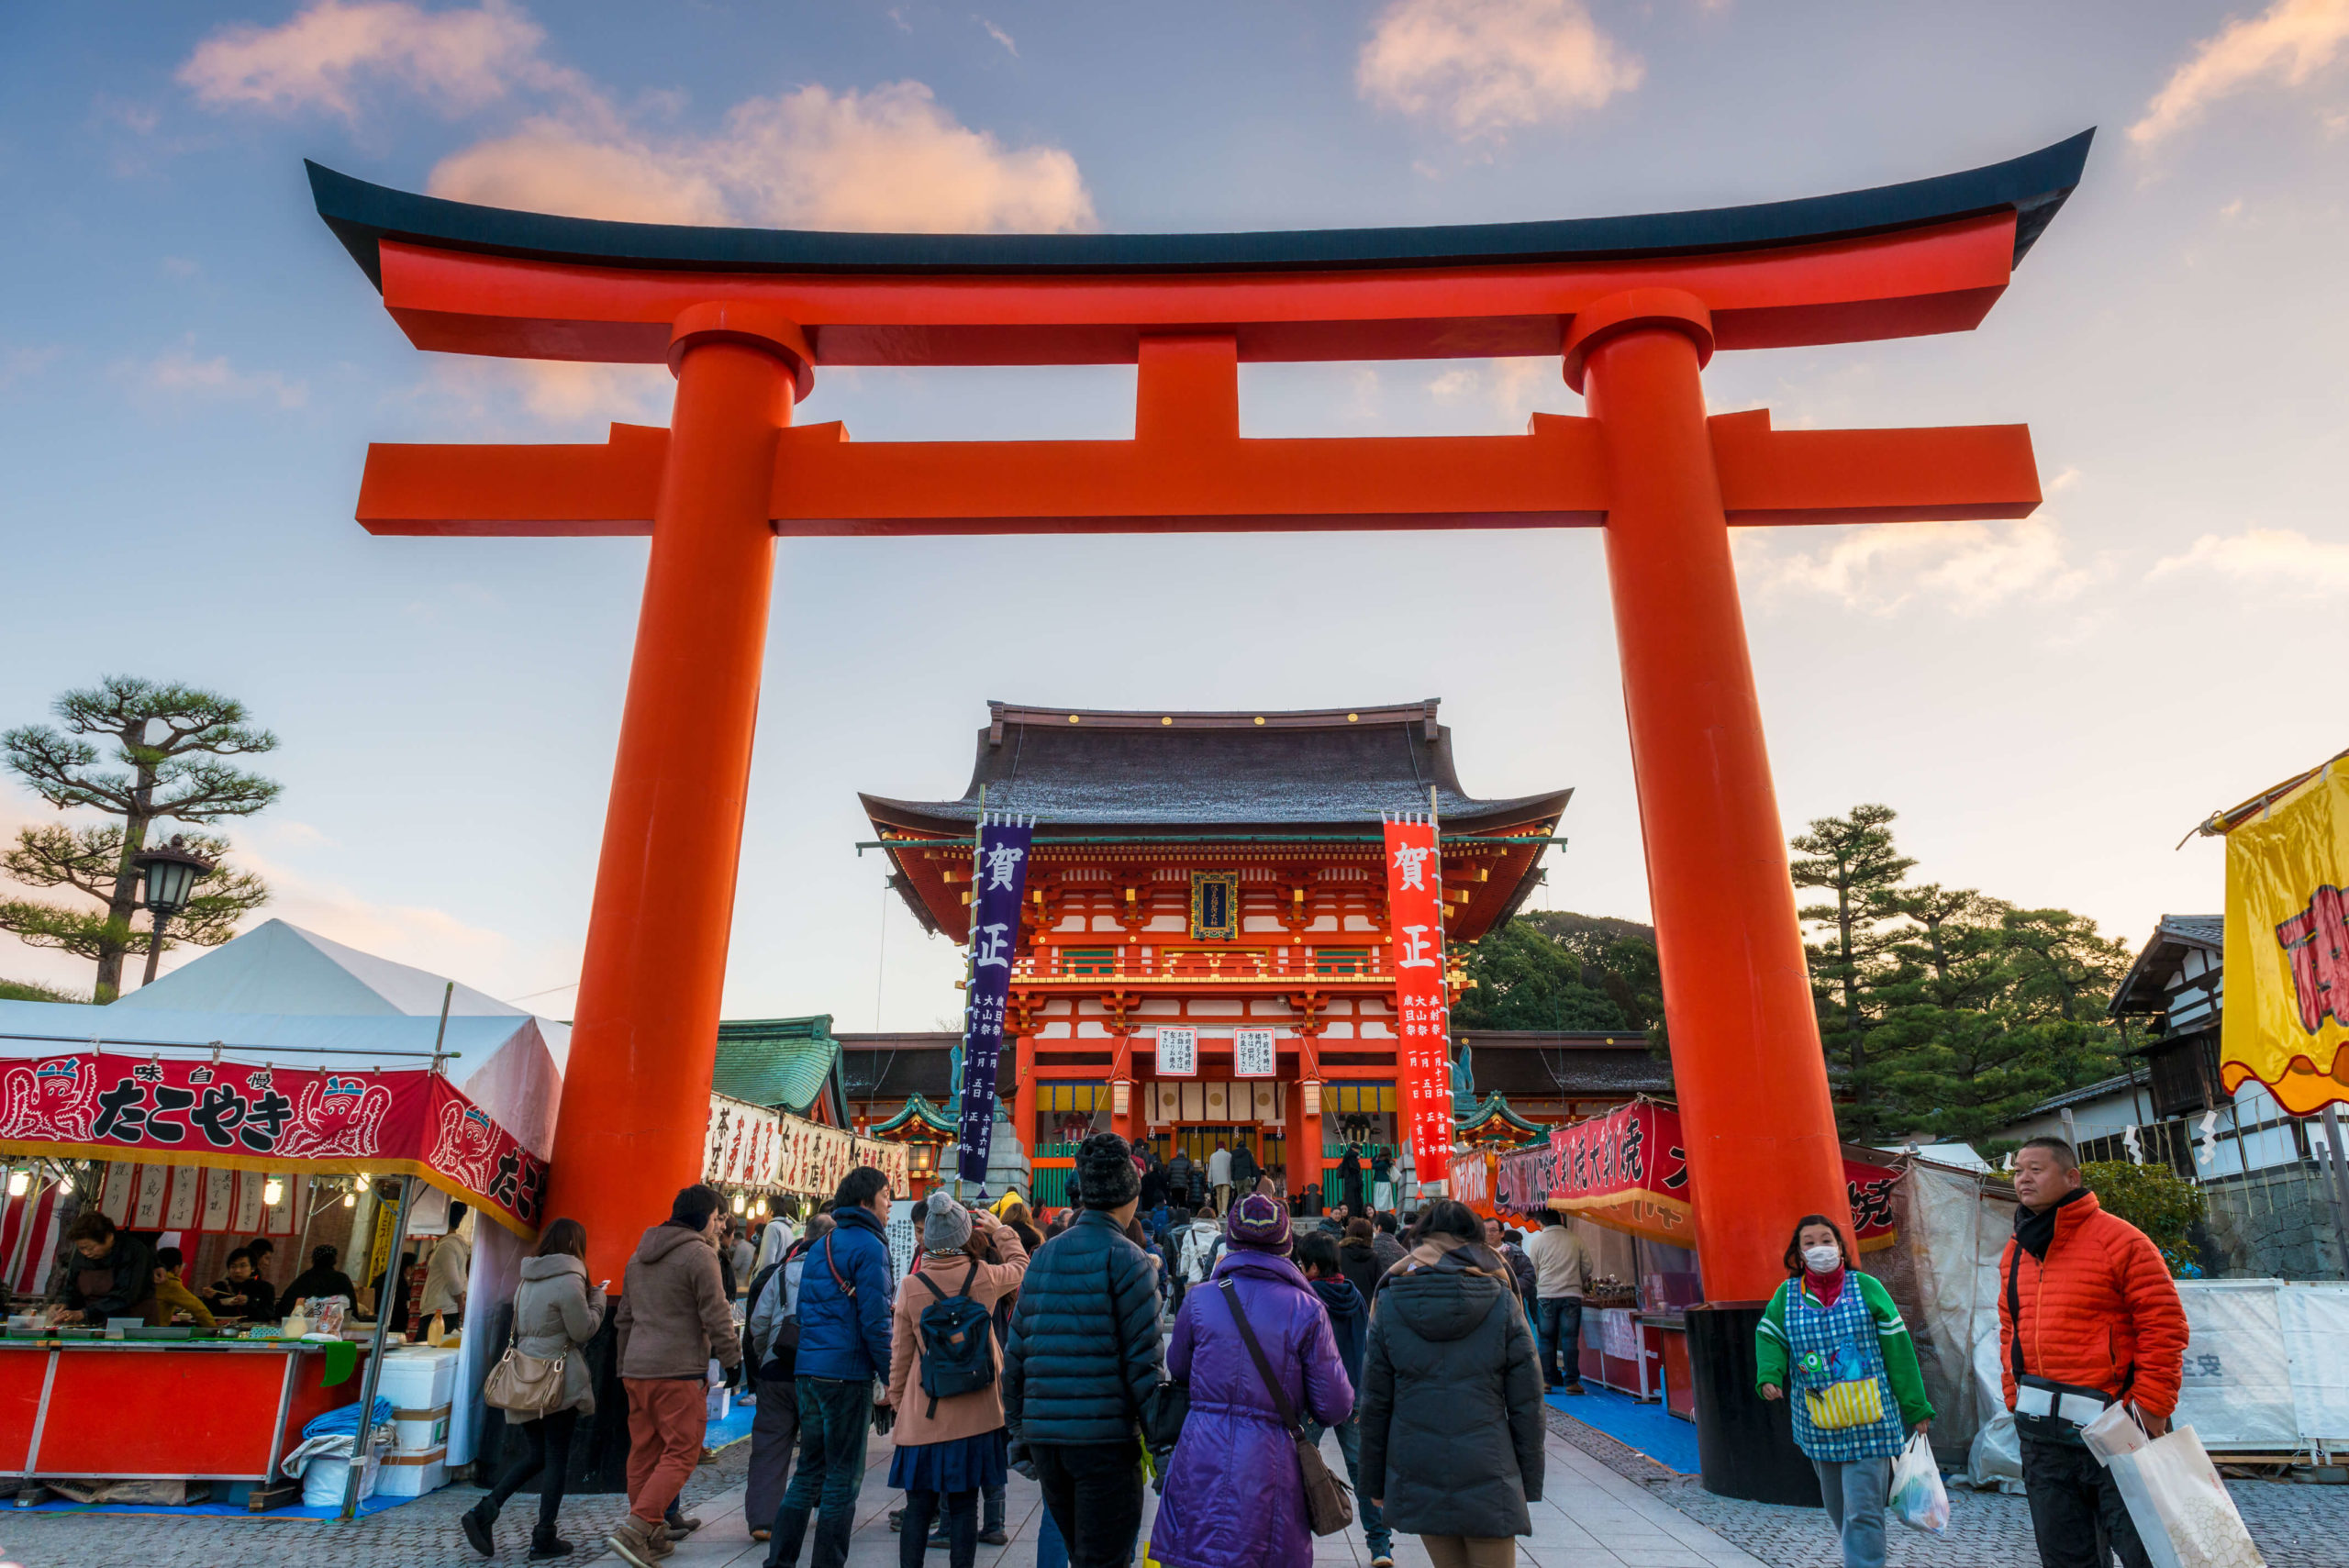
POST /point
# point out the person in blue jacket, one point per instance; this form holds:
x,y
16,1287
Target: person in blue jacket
x,y
846,1294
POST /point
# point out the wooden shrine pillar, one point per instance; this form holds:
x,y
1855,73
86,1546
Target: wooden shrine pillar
x,y
635,1102
1761,1136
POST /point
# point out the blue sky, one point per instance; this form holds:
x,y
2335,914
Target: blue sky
x,y
190,369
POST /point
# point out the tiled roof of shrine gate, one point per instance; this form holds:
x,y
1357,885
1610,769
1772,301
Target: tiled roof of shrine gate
x,y
1154,771
2032,186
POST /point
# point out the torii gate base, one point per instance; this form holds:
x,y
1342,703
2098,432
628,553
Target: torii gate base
x,y
1634,308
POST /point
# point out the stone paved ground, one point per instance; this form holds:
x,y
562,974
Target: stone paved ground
x,y
1604,1506
2295,1525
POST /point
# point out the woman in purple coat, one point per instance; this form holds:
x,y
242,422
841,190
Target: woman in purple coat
x,y
1234,1497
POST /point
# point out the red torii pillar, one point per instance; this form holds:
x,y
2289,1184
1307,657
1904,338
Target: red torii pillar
x,y
1633,306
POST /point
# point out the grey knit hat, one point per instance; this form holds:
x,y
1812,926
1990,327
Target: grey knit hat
x,y
946,1225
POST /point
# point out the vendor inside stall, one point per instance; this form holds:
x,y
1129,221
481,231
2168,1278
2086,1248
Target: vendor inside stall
x,y
243,1294
107,1274
321,1278
173,1298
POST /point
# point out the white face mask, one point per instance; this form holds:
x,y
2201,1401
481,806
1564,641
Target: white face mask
x,y
1823,1259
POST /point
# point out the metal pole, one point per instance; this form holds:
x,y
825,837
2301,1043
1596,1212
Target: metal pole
x,y
154,945
375,1354
2340,1180
383,1307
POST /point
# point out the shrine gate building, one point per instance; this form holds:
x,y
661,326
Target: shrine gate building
x,y
1221,871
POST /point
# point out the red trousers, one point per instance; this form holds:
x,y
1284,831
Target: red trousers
x,y
666,1419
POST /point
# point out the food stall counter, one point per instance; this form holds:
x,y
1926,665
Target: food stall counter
x,y
218,1410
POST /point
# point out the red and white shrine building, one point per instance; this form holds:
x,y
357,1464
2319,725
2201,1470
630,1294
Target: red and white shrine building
x,y
1220,872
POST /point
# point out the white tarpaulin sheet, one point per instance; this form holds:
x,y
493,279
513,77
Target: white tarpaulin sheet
x,y
2315,1320
2236,1388
1953,1230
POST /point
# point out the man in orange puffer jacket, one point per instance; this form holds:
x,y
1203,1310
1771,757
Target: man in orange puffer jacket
x,y
2085,1300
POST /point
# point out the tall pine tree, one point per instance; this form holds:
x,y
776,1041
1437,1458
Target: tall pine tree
x,y
1852,858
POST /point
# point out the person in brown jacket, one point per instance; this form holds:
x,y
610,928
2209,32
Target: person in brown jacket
x,y
673,1318
951,1445
2087,1316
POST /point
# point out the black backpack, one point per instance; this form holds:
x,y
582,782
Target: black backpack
x,y
957,1342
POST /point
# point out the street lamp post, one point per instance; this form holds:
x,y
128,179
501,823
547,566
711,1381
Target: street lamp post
x,y
172,873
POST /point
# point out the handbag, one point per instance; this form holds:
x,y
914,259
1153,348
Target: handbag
x,y
1328,1502
524,1384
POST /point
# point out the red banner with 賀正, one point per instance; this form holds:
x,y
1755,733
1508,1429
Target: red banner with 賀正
x,y
255,1115
1629,1170
1423,1013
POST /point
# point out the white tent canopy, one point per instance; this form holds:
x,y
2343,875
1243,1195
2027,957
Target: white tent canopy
x,y
281,992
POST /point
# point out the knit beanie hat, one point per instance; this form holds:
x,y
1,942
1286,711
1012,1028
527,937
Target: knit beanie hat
x,y
1259,1221
1104,1171
946,1225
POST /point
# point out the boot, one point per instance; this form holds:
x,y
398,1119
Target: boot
x,y
478,1522
545,1543
633,1545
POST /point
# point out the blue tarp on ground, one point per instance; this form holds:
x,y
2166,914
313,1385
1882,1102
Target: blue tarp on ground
x,y
733,1429
1651,1428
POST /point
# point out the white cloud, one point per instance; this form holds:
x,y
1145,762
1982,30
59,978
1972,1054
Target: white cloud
x,y
1485,67
890,158
457,59
2285,44
999,35
24,363
1882,568
180,375
2272,559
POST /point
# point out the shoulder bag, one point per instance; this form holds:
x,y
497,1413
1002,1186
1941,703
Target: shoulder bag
x,y
523,1384
1328,1503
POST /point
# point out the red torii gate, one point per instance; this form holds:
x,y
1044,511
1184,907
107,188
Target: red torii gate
x,y
1634,308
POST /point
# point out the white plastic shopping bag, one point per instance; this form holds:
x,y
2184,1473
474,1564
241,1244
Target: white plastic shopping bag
x,y
1918,1499
2180,1506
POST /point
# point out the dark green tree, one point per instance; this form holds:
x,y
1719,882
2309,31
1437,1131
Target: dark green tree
x,y
141,751
1525,979
1853,859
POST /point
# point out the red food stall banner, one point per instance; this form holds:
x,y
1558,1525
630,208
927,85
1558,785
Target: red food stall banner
x,y
221,1115
1472,1180
1629,1170
1415,920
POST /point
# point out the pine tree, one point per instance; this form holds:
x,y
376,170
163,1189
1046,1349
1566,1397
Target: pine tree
x,y
1854,858
164,758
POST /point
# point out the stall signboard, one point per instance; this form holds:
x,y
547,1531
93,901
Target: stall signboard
x,y
1415,917
1472,1180
2287,1017
220,1116
1629,1170
751,1146
1178,1052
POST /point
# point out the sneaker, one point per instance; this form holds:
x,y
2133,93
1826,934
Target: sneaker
x,y
633,1545
1575,1388
476,1522
997,1538
681,1525
760,1533
1384,1559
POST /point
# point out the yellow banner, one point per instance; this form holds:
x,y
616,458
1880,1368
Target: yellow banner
x,y
2286,1016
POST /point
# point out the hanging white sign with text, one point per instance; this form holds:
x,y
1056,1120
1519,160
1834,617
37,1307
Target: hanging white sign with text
x,y
1252,1053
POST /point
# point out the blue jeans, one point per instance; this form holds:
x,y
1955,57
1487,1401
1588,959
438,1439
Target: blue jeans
x,y
1558,1328
1374,1534
1052,1551
835,1415
1853,1491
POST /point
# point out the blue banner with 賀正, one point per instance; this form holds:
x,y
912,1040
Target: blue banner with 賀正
x,y
998,883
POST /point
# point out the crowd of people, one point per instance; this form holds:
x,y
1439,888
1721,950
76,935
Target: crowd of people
x,y
1206,1351
109,1273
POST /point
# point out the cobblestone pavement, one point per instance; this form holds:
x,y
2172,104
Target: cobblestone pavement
x,y
2295,1525
422,1534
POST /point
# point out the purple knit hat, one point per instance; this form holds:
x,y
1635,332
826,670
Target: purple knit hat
x,y
1260,1222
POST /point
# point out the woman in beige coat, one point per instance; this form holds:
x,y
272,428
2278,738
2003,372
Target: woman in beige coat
x,y
555,1313
952,1445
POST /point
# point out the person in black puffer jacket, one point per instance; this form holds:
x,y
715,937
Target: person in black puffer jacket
x,y
1082,1363
1451,1417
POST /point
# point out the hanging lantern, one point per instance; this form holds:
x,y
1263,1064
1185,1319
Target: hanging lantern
x,y
1312,1087
17,1182
271,1191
